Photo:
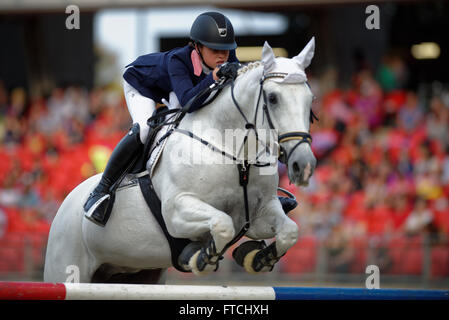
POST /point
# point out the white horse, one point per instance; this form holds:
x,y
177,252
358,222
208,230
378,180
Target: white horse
x,y
200,200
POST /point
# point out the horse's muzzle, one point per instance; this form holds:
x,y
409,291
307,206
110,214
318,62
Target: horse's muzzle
x,y
301,165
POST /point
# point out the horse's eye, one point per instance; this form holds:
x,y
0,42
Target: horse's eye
x,y
272,98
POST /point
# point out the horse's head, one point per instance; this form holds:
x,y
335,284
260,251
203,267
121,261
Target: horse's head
x,y
287,105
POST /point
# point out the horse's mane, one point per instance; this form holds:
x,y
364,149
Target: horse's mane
x,y
249,66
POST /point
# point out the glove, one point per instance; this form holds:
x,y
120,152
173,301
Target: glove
x,y
228,70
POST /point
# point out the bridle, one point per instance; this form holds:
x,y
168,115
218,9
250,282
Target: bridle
x,y
303,137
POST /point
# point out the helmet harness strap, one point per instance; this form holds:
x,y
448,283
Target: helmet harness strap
x,y
201,55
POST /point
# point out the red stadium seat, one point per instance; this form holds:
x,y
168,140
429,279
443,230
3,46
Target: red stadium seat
x,y
396,247
301,258
12,252
407,255
413,261
440,261
360,247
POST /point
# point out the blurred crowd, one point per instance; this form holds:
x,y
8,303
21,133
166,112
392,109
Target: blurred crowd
x,y
382,150
383,164
48,145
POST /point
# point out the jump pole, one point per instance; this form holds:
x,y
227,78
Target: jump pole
x,y
87,291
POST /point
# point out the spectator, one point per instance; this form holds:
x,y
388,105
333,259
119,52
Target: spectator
x,y
404,164
368,97
428,172
445,169
29,197
420,219
410,116
437,121
325,138
400,209
3,223
10,193
324,217
339,250
441,214
18,106
392,73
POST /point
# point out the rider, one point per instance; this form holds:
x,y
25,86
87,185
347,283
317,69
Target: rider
x,y
178,74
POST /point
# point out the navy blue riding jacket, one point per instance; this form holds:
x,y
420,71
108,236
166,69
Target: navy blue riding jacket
x,y
155,75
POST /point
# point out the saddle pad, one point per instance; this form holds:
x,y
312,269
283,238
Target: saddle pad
x,y
158,148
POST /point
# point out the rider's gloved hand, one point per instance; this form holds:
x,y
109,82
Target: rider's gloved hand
x,y
228,70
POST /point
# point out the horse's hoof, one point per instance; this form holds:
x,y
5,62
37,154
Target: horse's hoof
x,y
198,271
249,260
187,253
252,264
195,259
255,256
245,248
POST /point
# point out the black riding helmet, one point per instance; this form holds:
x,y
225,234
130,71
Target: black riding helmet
x,y
213,30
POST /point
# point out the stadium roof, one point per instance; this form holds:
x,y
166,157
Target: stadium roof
x,y
35,6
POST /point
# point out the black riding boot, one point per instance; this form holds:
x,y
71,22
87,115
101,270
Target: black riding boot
x,y
288,204
97,204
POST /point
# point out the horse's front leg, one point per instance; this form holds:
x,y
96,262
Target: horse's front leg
x,y
271,222
187,216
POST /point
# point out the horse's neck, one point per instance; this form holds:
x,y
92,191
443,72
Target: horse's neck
x,y
221,123
222,114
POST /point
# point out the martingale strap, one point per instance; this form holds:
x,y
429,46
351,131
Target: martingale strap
x,y
243,180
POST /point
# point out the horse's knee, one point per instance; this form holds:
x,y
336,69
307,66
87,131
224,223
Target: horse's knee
x,y
222,230
288,237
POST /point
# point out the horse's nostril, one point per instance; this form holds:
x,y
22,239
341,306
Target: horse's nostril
x,y
295,167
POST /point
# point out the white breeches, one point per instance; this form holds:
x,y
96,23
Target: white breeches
x,y
141,108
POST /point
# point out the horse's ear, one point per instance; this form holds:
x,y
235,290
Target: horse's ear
x,y
267,57
306,55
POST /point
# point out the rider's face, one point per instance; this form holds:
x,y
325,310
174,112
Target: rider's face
x,y
213,57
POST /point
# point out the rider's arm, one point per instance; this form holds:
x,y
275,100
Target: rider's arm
x,y
182,84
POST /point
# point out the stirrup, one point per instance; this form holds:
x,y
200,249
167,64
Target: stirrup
x,y
94,207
